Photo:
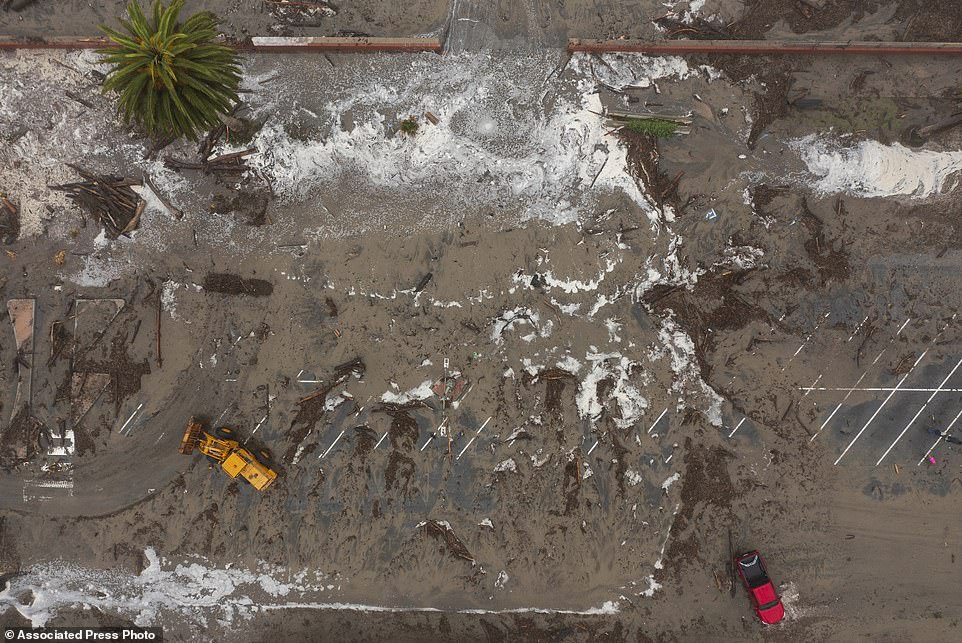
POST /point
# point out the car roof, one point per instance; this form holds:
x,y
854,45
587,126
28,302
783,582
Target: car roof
x,y
765,593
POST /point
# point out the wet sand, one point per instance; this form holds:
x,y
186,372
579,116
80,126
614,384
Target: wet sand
x,y
641,364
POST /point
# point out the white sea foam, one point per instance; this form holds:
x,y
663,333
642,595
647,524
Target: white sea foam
x,y
872,169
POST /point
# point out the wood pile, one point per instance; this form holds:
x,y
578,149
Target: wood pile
x,y
107,197
233,163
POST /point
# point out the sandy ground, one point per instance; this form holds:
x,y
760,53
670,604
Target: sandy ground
x,y
635,400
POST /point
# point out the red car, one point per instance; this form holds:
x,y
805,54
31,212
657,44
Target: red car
x,y
765,600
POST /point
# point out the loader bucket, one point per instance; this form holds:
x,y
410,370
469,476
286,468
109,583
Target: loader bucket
x,y
191,436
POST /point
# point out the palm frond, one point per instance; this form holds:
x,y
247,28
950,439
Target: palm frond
x,y
172,78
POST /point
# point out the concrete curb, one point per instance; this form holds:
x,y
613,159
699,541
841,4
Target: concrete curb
x,y
265,45
763,47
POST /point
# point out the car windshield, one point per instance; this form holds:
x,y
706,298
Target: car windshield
x,y
769,605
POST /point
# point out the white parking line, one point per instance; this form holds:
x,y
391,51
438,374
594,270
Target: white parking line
x,y
876,389
809,389
437,431
220,417
593,447
655,423
916,416
939,439
807,340
332,444
131,417
902,327
381,440
857,328
737,426
862,377
264,419
882,406
471,441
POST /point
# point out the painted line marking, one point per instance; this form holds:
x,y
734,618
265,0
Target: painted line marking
x,y
381,440
944,433
471,441
882,406
902,327
861,377
131,418
264,419
809,389
592,448
655,423
737,426
333,443
221,416
916,416
807,340
437,431
857,328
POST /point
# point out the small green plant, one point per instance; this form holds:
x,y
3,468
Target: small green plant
x,y
410,125
657,127
173,79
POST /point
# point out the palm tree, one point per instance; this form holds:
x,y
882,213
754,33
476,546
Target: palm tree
x,y
172,78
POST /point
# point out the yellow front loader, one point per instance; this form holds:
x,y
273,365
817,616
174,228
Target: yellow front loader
x,y
228,452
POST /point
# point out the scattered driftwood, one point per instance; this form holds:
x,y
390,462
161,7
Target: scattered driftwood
x,y
175,211
442,531
206,147
423,283
232,163
107,197
927,132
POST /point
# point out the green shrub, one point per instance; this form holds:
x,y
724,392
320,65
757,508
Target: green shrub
x,y
409,125
657,127
171,76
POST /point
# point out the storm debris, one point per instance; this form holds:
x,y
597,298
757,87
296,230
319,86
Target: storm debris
x,y
107,197
230,163
441,530
230,284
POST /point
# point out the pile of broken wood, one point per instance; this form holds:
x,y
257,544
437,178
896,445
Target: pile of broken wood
x,y
232,163
107,197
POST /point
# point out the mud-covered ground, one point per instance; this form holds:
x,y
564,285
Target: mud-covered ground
x,y
652,348
476,24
